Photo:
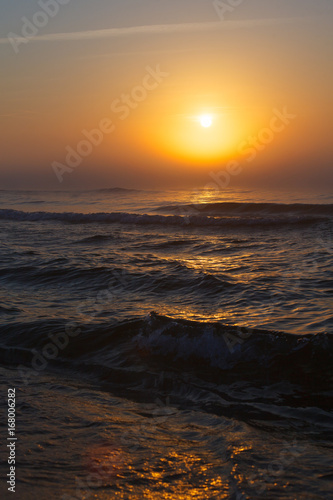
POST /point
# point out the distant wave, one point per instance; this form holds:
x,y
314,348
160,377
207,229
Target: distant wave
x,y
33,202
247,219
259,209
117,190
80,191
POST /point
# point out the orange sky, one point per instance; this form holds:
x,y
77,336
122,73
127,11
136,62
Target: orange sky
x,y
148,85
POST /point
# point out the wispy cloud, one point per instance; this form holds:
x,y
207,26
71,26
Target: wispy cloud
x,y
158,29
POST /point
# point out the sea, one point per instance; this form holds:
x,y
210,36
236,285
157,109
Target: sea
x,y
167,344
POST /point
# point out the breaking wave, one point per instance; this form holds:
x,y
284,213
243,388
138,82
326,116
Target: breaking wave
x,y
251,219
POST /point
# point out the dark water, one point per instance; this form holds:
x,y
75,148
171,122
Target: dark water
x,y
169,345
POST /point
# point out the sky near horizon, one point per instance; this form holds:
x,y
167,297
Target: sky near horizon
x,y
114,93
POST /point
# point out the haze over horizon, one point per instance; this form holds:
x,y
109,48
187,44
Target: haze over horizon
x,y
163,94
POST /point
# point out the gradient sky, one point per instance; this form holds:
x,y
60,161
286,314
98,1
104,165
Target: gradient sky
x,y
263,55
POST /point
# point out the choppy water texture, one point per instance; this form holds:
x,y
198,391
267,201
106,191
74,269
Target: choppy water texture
x,y
169,345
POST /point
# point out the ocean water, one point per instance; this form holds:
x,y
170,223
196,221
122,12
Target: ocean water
x,y
168,345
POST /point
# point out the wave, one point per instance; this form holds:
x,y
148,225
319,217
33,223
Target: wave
x,y
8,310
77,191
165,220
50,274
33,202
260,209
96,239
137,350
116,190
262,377
180,277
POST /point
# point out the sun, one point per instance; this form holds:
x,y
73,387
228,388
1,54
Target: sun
x,y
206,121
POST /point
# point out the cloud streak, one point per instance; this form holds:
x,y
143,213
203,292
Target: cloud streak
x,y
158,29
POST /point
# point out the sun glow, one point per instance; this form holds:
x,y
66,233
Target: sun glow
x,y
206,121
193,136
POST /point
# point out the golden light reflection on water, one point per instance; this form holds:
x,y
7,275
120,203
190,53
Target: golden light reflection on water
x,y
202,196
240,449
225,270
213,264
178,471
